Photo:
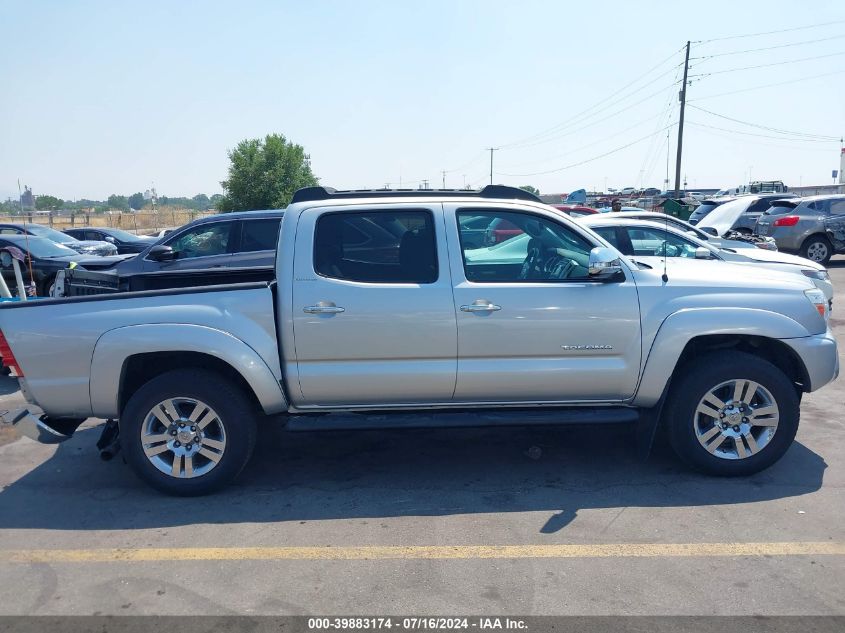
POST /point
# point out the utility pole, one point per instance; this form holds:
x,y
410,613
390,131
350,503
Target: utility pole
x,y
492,149
683,97
444,178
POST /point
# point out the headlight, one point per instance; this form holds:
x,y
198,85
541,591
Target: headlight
x,y
821,275
817,298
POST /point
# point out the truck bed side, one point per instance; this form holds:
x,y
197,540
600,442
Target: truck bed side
x,y
59,343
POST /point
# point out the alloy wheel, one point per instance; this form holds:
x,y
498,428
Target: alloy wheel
x,y
183,437
736,419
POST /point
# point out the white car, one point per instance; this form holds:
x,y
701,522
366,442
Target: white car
x,y
642,239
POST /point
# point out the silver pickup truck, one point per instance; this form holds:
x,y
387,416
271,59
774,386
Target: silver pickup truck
x,y
382,314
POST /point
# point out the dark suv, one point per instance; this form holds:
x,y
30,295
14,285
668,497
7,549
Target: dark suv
x,y
246,239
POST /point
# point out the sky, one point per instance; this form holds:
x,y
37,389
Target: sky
x,y
113,97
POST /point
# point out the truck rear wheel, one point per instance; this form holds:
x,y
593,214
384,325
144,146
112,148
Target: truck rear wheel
x,y
731,414
188,432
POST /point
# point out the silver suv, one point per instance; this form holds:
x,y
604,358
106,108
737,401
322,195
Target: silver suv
x,y
814,226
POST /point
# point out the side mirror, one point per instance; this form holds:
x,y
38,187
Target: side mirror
x,y
109,239
709,230
702,253
6,259
161,253
604,263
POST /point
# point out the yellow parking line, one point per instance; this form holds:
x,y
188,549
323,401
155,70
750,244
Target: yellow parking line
x,y
605,550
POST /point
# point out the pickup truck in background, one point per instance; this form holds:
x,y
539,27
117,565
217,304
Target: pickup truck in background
x,y
407,324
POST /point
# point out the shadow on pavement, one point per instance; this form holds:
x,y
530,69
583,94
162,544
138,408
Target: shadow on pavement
x,y
369,474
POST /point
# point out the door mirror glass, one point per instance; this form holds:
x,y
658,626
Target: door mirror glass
x,y
5,259
604,263
161,253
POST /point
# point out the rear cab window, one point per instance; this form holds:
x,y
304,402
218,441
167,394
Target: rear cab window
x,y
397,246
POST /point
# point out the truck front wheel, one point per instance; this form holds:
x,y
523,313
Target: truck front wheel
x,y
731,414
188,432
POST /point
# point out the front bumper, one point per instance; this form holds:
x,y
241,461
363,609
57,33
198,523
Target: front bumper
x,y
32,423
820,356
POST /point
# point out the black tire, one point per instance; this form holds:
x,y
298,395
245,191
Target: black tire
x,y
813,244
236,413
704,373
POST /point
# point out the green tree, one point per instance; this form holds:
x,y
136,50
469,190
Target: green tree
x,y
48,203
201,201
264,174
136,201
118,202
215,199
530,189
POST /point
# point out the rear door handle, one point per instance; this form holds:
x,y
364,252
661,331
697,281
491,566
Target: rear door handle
x,y
480,306
323,309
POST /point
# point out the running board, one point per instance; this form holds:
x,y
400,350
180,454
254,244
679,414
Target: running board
x,y
450,418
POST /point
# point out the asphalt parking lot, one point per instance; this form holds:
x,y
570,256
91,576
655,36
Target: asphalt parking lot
x,y
478,521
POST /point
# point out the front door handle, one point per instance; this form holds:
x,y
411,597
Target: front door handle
x,y
323,308
480,305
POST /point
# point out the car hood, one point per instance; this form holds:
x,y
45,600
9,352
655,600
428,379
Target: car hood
x,y
92,262
715,274
776,257
723,217
88,244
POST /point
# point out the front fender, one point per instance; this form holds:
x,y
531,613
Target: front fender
x,y
680,327
115,346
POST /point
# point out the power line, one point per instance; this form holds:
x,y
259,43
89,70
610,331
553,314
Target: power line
x,y
780,83
768,48
589,160
789,30
765,127
564,132
574,117
780,138
583,147
796,148
789,61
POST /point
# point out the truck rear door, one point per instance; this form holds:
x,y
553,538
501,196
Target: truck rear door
x,y
373,317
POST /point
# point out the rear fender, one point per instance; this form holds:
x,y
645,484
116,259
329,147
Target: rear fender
x,y
115,346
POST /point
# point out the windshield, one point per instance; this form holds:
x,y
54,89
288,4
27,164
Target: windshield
x,y
40,246
50,234
124,236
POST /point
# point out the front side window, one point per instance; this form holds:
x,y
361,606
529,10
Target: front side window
x,y
654,242
203,241
259,235
376,247
531,248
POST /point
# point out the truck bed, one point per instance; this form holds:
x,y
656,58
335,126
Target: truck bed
x,y
81,283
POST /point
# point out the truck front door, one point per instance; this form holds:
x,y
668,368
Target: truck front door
x,y
532,325
373,321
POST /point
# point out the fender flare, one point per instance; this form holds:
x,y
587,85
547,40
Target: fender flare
x,y
679,328
115,346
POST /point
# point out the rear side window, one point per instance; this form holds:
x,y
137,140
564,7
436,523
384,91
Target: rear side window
x,y
259,235
376,247
837,207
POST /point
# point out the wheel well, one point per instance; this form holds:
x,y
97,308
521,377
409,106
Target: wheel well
x,y
819,235
141,368
772,350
